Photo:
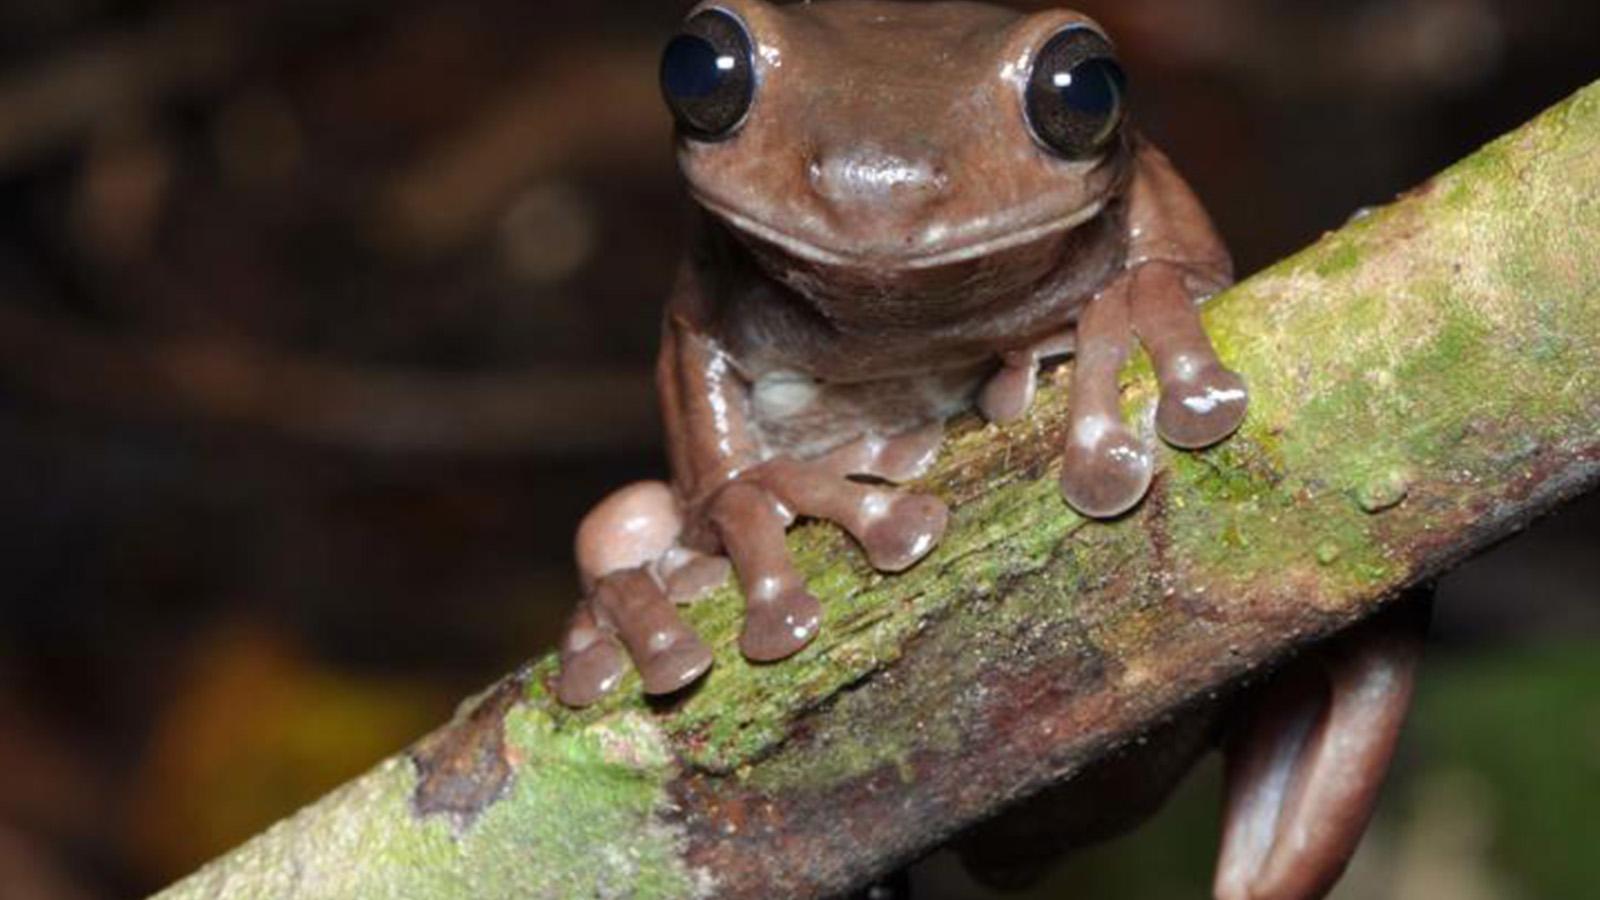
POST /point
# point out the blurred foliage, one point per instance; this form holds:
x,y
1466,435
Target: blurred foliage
x,y
255,728
1520,732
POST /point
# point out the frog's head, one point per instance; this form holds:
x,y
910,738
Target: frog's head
x,y
882,155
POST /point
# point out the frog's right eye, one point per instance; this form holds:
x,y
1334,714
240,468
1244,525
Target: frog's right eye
x,y
708,76
1074,93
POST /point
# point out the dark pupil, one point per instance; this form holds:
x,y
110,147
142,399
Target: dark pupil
x,y
689,68
1090,87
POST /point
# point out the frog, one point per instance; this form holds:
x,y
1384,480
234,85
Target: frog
x,y
904,212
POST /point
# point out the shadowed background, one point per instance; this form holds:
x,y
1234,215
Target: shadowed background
x,y
322,322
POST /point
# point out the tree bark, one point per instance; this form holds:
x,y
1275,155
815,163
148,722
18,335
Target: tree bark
x,y
1425,381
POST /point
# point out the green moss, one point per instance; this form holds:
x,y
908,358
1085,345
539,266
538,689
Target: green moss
x,y
581,819
1342,256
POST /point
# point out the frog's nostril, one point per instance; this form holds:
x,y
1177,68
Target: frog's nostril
x,y
871,175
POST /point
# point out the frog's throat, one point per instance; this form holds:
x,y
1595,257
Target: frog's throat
x,y
809,252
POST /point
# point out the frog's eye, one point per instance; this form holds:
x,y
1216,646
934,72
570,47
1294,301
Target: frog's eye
x,y
1074,93
707,75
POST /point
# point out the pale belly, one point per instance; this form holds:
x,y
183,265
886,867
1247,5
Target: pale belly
x,y
800,416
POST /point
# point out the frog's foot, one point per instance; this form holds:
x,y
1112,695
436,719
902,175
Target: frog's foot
x,y
1304,771
632,571
592,660
1009,392
1202,401
627,610
780,615
896,529
667,653
1106,468
752,514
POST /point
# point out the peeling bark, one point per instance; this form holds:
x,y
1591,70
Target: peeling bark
x,y
465,766
1425,381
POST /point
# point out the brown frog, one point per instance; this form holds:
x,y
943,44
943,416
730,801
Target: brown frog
x,y
905,209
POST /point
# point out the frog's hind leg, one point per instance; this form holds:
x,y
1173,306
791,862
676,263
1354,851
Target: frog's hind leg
x,y
1304,771
1105,469
1202,401
627,608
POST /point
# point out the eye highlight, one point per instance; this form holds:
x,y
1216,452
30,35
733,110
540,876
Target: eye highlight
x,y
708,76
1074,94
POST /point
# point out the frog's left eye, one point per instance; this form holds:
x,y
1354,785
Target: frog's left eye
x,y
708,77
1074,93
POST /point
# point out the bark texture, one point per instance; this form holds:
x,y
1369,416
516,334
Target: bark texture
x,y
1425,381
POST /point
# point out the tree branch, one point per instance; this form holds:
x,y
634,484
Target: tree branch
x,y
1425,381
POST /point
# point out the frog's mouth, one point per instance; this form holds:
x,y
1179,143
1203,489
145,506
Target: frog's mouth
x,y
810,252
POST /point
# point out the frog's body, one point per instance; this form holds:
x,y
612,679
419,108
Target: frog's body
x,y
905,207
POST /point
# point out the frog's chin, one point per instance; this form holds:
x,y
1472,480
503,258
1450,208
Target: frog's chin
x,y
810,253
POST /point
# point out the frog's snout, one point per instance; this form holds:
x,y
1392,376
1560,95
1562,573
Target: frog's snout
x,y
868,178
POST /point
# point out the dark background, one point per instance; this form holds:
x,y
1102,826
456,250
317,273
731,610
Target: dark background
x,y
322,321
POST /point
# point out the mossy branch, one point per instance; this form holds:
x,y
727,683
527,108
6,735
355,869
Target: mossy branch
x,y
1425,381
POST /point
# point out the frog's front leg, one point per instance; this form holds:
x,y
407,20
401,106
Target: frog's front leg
x,y
633,550
1176,260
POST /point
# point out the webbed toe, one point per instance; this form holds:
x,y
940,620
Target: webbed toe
x,y
780,627
1202,409
592,661
1106,469
674,666
696,575
1008,393
902,529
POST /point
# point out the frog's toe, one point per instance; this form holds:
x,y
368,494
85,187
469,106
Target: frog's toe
x,y
905,456
667,652
1199,411
592,661
780,627
688,575
590,675
676,665
1008,393
1106,469
905,528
